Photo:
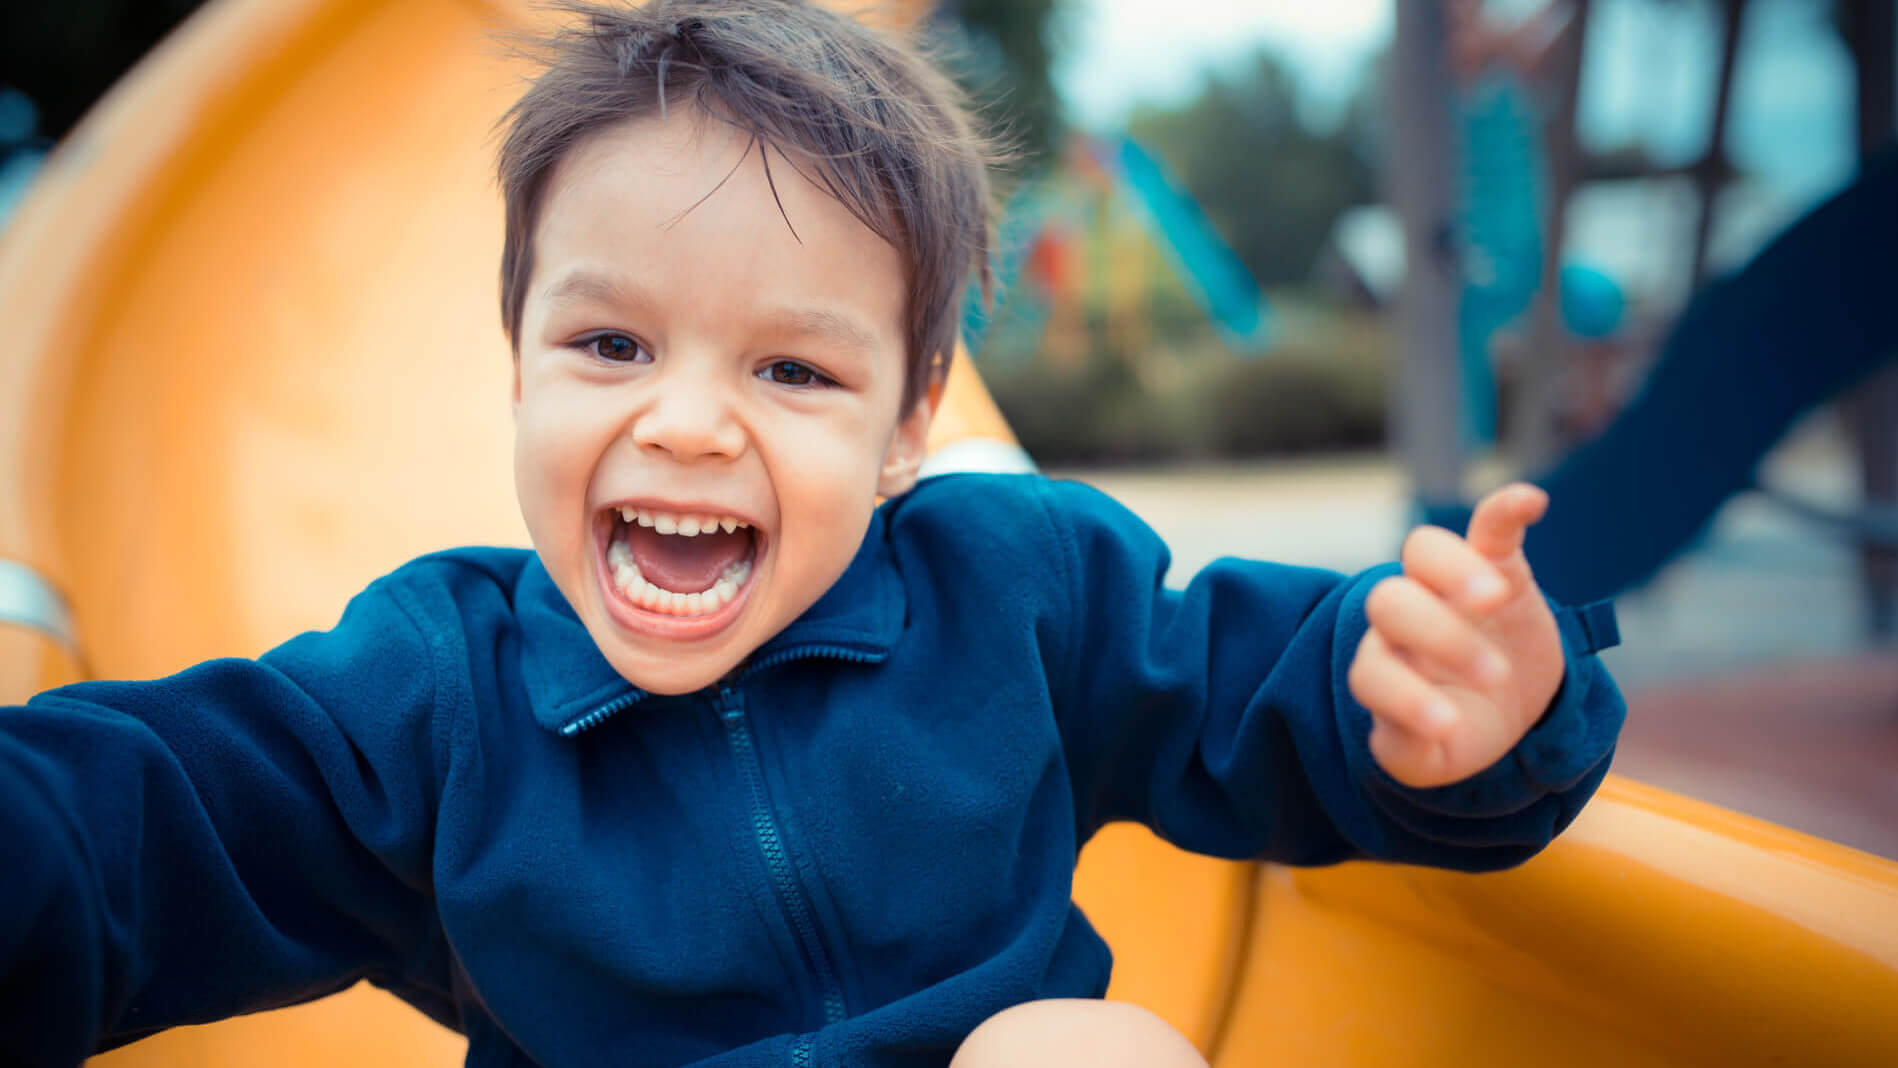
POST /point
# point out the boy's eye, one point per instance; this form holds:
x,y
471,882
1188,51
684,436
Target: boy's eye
x,y
617,348
791,373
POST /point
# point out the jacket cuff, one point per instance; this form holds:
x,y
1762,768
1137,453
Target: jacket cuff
x,y
1568,742
1566,748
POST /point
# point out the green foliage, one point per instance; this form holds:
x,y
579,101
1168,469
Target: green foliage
x,y
1001,52
1091,414
1269,183
1296,398
1192,398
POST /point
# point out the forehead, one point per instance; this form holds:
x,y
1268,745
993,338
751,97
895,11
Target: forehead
x,y
691,208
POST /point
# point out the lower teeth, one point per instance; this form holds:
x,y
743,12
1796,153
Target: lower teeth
x,y
636,589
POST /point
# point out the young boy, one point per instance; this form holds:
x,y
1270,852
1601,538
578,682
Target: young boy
x,y
736,767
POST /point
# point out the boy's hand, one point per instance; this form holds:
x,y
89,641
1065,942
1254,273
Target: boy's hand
x,y
1463,655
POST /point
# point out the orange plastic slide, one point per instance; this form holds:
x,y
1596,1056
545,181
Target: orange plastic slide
x,y
252,360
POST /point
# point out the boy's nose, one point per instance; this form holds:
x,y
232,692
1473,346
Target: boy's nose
x,y
691,421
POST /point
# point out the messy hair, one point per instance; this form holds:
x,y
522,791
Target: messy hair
x,y
861,113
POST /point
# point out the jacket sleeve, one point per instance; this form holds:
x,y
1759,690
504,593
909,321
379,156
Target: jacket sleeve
x,y
1219,716
242,835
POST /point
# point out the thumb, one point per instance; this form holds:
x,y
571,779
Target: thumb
x,y
1499,523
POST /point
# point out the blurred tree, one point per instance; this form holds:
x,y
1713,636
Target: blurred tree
x,y
1271,184
65,54
1000,51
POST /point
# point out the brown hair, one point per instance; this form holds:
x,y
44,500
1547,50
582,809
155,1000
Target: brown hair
x,y
879,127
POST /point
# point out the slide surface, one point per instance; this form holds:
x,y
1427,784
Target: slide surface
x,y
253,360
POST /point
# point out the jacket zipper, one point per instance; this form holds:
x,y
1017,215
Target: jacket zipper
x,y
764,826
602,713
622,703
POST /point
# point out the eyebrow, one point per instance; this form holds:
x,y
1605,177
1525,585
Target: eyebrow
x,y
822,324
587,287
827,325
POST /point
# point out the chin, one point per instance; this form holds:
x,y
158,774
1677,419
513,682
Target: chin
x,y
664,672
674,685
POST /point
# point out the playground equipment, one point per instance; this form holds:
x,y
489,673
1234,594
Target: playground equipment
x,y
252,361
1804,320
1048,220
1218,280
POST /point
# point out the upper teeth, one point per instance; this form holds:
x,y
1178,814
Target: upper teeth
x,y
674,523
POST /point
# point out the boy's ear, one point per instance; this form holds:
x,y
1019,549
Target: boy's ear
x,y
908,447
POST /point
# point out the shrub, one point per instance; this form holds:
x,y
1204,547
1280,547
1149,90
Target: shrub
x,y
1294,399
1320,388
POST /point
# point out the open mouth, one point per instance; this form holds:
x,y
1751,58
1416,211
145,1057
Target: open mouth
x,y
679,564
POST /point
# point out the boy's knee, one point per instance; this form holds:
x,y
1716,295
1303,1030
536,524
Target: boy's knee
x,y
1076,1031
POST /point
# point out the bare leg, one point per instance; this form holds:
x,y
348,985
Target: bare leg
x,y
1099,1034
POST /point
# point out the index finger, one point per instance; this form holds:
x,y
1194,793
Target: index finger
x,y
1501,519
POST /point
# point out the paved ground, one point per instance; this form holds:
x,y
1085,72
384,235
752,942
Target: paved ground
x,y
1750,677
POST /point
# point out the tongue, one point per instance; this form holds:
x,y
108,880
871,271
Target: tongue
x,y
685,565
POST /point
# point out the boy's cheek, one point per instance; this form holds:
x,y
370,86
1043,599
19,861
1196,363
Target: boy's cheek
x,y
558,432
550,483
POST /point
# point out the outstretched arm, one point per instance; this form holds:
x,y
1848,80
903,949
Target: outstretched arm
x,y
241,835
1221,716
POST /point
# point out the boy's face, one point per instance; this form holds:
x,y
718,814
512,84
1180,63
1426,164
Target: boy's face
x,y
686,356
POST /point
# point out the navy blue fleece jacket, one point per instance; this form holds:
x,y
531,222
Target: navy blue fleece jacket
x,y
851,852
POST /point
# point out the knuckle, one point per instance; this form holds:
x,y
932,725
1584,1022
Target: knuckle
x,y
1384,596
1358,675
1458,637
1423,547
1398,759
1502,675
1388,757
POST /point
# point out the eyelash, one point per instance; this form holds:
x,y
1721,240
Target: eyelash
x,y
815,379
591,346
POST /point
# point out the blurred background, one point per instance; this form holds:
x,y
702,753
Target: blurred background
x,y
1287,278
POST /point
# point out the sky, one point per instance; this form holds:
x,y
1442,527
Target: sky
x,y
1119,52
1648,80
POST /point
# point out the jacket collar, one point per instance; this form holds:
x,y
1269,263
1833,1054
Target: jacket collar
x,y
858,618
